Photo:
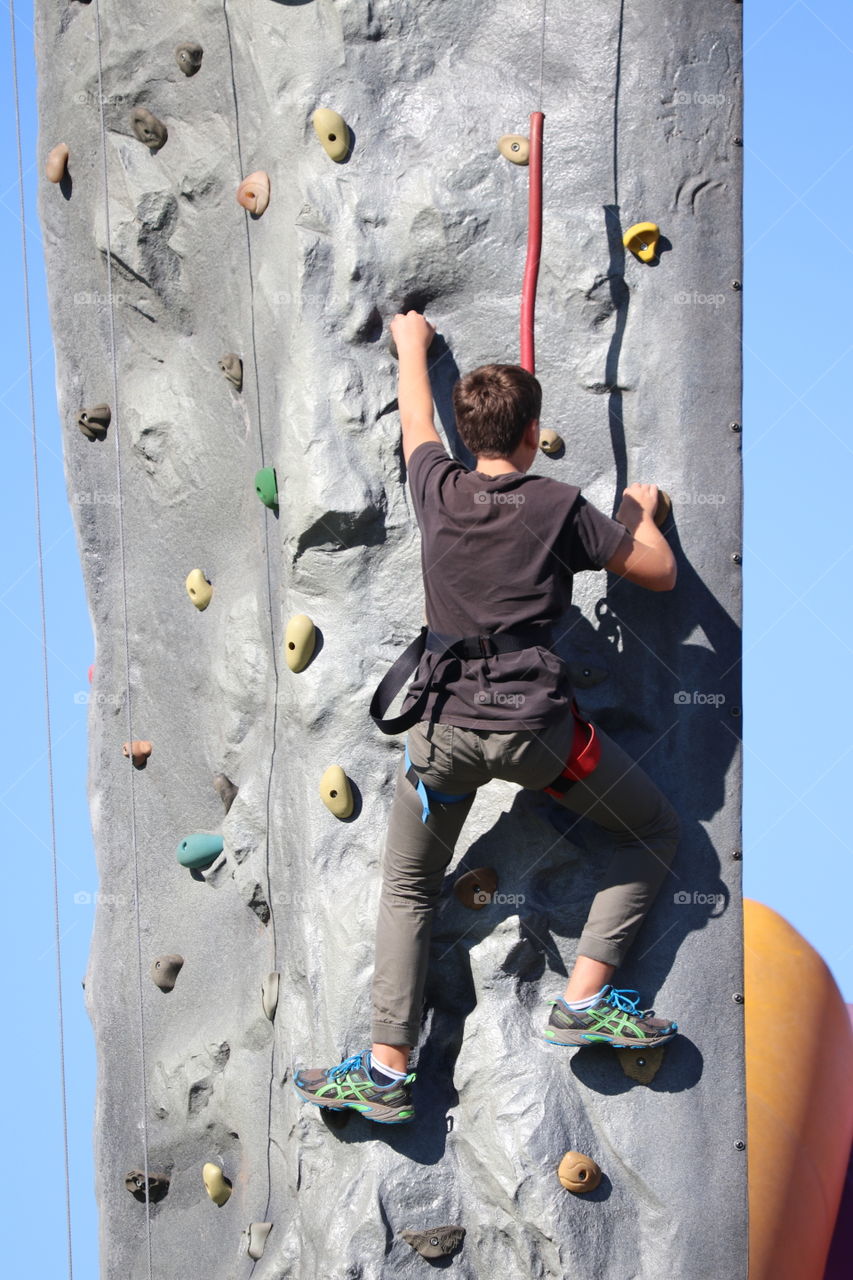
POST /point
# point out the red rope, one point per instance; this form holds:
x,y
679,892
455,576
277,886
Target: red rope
x,y
534,246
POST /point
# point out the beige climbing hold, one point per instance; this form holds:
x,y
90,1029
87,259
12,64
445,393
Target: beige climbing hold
x,y
333,132
165,970
435,1242
148,128
641,1064
232,366
299,640
257,1237
138,751
335,791
253,192
199,589
474,889
515,147
56,164
94,422
269,994
663,510
578,1172
550,441
642,240
216,1184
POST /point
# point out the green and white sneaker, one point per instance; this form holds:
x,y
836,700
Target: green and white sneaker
x,y
614,1019
350,1085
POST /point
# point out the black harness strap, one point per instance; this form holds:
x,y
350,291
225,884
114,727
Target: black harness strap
x,y
453,651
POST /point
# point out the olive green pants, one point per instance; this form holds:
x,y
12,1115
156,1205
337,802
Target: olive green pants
x,y
618,796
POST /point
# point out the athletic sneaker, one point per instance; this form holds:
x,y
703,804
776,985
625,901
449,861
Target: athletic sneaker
x,y
350,1084
614,1019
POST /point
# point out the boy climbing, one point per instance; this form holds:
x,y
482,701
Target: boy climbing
x,y
491,699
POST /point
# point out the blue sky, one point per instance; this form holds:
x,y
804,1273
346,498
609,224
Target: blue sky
x,y
797,445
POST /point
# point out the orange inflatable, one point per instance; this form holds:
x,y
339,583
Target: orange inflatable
x,y
799,1091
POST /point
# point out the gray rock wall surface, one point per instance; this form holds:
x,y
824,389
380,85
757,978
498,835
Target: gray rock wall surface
x,y
640,366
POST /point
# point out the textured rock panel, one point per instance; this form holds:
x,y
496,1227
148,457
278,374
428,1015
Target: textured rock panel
x,y
641,372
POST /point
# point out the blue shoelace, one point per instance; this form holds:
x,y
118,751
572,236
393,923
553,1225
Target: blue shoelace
x,y
348,1064
621,1000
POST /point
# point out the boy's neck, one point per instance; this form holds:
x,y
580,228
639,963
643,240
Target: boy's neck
x,y
496,467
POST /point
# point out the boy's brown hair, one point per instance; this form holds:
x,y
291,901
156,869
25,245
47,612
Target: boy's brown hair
x,y
493,405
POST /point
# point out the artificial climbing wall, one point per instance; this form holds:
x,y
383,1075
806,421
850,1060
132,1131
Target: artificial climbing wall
x,y
641,373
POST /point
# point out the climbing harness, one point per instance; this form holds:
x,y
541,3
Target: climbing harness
x,y
454,651
583,758
45,672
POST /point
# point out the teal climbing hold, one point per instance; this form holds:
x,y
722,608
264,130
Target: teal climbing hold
x,y
199,850
266,487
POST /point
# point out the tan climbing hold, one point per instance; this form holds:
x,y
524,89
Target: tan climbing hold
x,y
269,994
225,789
335,791
199,589
550,441
232,366
578,1172
94,422
435,1242
474,889
216,1184
299,640
641,1065
663,510
253,192
515,147
148,128
138,751
165,970
257,1237
642,240
56,164
333,132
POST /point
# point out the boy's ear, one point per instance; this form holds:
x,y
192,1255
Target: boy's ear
x,y
533,431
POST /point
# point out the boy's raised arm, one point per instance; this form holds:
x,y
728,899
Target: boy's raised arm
x,y
413,334
647,558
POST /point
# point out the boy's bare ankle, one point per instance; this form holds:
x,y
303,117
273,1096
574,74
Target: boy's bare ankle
x,y
395,1056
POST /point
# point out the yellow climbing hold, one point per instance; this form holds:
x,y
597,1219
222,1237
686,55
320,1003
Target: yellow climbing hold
x,y
515,147
332,130
550,441
216,1184
578,1172
335,791
642,240
299,640
199,589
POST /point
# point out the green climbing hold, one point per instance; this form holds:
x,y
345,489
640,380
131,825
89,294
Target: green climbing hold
x,y
199,850
266,487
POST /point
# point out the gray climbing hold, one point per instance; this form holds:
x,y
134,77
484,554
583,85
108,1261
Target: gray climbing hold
x,y
94,422
232,367
147,128
165,970
269,994
257,1233
437,1242
225,789
158,1186
188,57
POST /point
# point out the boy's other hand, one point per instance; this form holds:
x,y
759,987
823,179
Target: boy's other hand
x,y
412,331
638,500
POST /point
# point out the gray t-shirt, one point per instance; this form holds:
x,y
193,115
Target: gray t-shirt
x,y
498,553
